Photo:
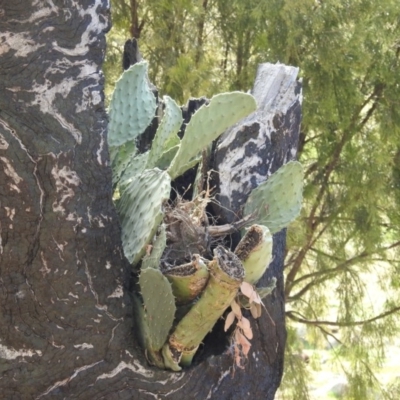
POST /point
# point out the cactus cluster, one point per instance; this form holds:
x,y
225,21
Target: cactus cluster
x,y
155,232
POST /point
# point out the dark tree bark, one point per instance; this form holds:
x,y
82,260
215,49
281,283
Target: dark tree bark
x,y
66,323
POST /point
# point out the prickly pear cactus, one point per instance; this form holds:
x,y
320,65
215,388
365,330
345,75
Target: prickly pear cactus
x,y
120,158
132,106
277,202
134,168
166,136
151,239
140,211
159,306
188,280
210,121
152,260
255,252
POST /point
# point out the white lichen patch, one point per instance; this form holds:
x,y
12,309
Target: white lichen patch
x,y
11,173
45,10
95,27
9,353
45,96
20,42
3,143
83,346
96,97
69,379
135,367
45,269
66,180
118,292
100,151
10,212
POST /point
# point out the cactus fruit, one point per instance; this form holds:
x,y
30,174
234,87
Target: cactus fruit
x,y
132,106
152,260
188,280
140,211
277,201
226,275
166,136
159,309
255,252
207,124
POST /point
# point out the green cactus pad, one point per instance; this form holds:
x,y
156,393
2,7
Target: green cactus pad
x,y
255,252
159,306
153,259
120,158
277,201
135,166
188,280
132,106
140,211
210,121
166,136
166,158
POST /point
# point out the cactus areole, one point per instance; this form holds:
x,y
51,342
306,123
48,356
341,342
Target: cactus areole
x,y
187,274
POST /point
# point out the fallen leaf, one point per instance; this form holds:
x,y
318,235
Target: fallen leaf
x,y
255,310
244,343
229,320
247,289
236,309
257,298
244,324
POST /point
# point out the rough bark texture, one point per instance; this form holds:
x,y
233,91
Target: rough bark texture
x,y
66,324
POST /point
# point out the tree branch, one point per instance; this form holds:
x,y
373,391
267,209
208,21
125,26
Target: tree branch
x,y
303,320
312,222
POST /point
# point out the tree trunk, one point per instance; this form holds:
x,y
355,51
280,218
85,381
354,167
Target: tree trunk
x,y
66,322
